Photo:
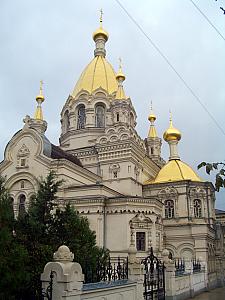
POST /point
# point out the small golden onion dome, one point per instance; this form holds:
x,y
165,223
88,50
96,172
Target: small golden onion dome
x,y
120,76
40,98
152,117
100,32
172,134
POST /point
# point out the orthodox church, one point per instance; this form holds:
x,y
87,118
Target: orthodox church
x,y
132,198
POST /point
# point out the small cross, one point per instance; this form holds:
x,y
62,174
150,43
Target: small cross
x,y
101,14
120,60
151,104
41,86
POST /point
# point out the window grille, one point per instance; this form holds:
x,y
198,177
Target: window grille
x,y
140,241
197,208
169,209
81,117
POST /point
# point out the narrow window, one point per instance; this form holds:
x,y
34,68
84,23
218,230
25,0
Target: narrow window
x,y
22,184
23,162
22,199
140,241
81,117
66,121
129,169
169,209
117,117
115,174
100,116
197,208
131,119
152,150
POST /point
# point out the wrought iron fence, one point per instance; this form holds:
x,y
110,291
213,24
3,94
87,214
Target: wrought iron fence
x,y
106,270
196,265
179,266
154,278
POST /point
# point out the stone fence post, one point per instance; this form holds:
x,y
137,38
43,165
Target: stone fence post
x,y
67,275
136,271
170,286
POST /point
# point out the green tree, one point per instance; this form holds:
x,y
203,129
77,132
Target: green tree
x,y
45,227
13,256
219,169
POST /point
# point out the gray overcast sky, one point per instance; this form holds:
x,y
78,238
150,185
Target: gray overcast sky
x,y
52,40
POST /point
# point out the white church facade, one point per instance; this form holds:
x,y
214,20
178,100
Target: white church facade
x,y
133,199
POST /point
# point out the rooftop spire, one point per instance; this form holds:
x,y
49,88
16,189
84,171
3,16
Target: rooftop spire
x,y
40,98
120,94
152,130
100,36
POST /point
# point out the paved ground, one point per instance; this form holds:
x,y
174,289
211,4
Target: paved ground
x,y
216,294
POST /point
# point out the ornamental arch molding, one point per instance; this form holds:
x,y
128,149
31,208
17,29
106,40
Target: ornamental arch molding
x,y
198,193
169,193
30,133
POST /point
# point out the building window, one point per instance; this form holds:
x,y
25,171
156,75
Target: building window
x,y
129,169
22,199
131,119
115,174
81,117
152,151
22,184
197,208
100,116
117,117
66,121
169,209
23,162
140,241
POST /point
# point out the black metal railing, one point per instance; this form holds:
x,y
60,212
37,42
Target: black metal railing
x,y
47,294
154,278
196,265
179,266
106,270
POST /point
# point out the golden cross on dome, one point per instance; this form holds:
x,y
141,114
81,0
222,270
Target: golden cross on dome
x,y
171,119
120,62
151,105
101,14
41,86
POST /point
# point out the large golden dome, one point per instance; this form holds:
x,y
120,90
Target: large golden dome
x,y
98,73
175,170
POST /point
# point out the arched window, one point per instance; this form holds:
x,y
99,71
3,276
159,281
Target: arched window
x,y
197,208
169,209
81,117
66,121
117,117
22,199
100,116
131,119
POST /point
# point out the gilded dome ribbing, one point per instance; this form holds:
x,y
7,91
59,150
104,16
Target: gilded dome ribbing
x,y
98,73
175,170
